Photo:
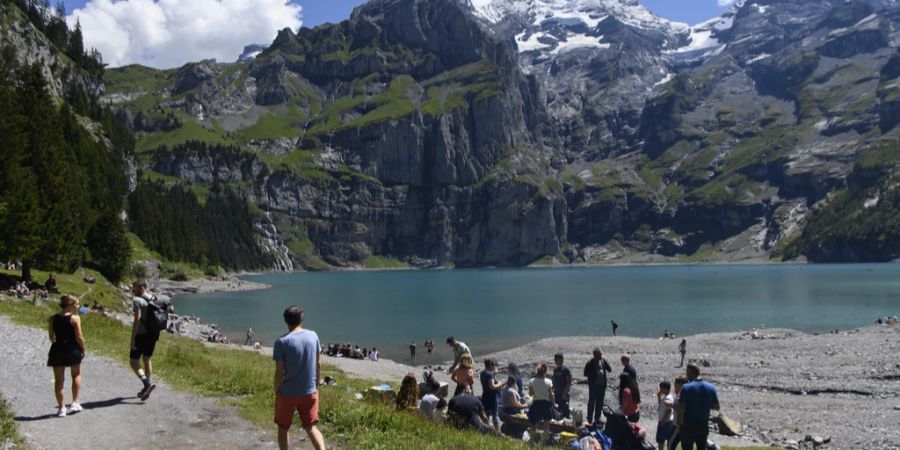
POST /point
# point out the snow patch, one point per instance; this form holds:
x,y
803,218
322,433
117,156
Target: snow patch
x,y
758,58
579,41
665,80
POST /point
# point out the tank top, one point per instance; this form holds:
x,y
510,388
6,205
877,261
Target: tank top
x,y
63,329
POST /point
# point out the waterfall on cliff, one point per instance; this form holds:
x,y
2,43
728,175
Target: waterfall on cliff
x,y
274,245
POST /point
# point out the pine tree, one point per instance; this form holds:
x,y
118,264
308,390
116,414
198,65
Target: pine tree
x,y
76,44
110,249
57,30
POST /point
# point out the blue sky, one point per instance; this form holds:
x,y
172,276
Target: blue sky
x,y
319,11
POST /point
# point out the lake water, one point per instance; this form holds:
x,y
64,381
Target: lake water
x,y
499,308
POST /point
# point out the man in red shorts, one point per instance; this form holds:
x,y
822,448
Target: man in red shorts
x,y
296,356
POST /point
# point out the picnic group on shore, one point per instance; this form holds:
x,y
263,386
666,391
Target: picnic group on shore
x,y
683,411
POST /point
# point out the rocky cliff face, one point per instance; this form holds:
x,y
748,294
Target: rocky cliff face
x,y
492,132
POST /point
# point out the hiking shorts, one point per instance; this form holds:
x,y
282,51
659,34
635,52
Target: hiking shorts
x,y
307,406
144,344
664,431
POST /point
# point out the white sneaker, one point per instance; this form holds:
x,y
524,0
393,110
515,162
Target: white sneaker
x,y
75,408
61,412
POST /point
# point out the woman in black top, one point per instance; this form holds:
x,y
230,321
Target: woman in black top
x,y
66,350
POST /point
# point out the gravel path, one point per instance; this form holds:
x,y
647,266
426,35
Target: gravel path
x,y
113,417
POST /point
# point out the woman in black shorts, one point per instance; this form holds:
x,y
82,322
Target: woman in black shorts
x,y
67,350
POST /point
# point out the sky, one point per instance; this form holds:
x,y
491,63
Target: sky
x,y
168,33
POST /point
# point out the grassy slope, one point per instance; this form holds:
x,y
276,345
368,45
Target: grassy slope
x,y
102,291
9,436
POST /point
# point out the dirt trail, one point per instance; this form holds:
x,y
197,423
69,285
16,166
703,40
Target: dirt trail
x,y
113,417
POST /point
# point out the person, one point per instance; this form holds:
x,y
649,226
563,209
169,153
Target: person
x,y
459,349
467,410
408,396
373,355
697,397
490,391
562,384
682,348
89,279
297,375
429,346
665,423
66,350
541,411
596,371
464,375
511,402
675,439
627,367
629,398
665,334
615,326
250,335
412,351
431,405
51,284
513,371
143,339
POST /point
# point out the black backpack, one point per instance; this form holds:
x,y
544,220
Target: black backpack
x,y
157,318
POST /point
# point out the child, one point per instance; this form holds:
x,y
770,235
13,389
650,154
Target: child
x,y
675,438
666,414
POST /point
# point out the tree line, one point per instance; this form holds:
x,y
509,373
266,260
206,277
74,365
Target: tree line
x,y
63,187
171,220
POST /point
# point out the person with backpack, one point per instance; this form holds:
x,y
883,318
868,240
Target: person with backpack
x,y
151,315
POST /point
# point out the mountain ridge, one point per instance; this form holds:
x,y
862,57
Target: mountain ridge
x,y
400,132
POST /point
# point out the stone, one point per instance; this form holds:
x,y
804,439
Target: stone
x,y
728,426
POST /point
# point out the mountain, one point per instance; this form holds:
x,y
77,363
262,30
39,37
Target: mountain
x,y
498,132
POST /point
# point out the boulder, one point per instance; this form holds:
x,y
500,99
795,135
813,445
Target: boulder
x,y
728,426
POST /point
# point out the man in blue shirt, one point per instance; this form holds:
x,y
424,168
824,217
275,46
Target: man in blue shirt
x,y
296,356
697,398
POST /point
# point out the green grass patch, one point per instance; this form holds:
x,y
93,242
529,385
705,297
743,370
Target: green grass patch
x,y
9,435
381,262
136,78
276,125
168,269
189,130
102,291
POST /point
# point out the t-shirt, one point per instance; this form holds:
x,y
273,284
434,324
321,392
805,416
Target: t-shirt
x,y
468,407
299,352
667,401
488,395
428,407
629,407
596,372
510,397
139,304
460,349
629,369
373,355
698,397
540,388
560,376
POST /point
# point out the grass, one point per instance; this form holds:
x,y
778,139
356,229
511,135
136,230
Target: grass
x,y
9,435
190,130
276,125
102,291
381,262
168,269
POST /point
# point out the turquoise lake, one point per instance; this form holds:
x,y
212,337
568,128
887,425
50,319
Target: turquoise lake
x,y
493,309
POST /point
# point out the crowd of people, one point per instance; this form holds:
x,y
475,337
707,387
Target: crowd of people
x,y
683,404
889,321
351,351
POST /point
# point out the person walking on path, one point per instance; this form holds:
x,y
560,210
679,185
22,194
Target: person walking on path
x,y
697,398
250,335
682,348
562,383
150,313
615,326
297,375
412,352
66,350
459,349
596,371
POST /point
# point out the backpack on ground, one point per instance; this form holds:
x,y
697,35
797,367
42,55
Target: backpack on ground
x,y
157,318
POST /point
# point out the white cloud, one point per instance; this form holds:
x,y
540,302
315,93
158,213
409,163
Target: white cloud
x,y
169,33
724,3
